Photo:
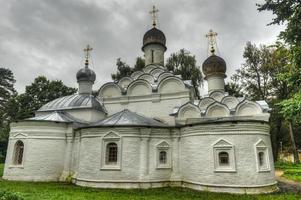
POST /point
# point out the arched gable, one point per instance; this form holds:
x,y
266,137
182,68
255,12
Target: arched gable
x,y
156,72
222,143
125,81
150,67
110,90
217,110
164,75
205,102
247,108
189,110
136,74
230,101
171,85
147,77
139,87
217,95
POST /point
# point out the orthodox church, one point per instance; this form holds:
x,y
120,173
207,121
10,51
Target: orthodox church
x,y
148,130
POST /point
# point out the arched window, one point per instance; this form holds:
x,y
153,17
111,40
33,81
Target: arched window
x,y
111,153
261,158
223,158
162,157
19,150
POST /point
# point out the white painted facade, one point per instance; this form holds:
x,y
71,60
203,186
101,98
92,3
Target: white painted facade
x,y
219,143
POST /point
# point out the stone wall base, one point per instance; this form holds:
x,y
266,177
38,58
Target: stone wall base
x,y
196,186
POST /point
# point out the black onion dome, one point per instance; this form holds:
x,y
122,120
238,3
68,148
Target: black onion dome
x,y
214,65
86,74
154,36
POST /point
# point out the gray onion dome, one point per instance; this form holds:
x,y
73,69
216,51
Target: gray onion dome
x,y
86,74
154,36
214,65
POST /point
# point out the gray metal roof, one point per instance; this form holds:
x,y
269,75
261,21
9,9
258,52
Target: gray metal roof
x,y
128,118
72,102
56,116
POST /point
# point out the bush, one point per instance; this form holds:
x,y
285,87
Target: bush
x,y
10,196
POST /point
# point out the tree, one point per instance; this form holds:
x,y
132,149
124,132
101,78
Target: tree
x,y
40,92
122,70
184,64
289,13
140,64
260,79
6,92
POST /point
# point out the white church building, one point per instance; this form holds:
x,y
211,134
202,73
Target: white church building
x,y
147,130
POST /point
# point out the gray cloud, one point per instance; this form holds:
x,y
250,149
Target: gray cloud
x,y
47,37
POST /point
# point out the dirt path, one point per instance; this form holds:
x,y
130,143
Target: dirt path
x,y
287,185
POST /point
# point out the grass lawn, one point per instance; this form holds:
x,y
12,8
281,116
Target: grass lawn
x,y
62,191
291,171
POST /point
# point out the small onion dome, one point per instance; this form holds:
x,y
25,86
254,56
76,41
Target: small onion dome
x,y
214,65
86,74
154,36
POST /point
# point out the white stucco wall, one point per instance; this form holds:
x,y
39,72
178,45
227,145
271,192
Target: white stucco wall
x,y
44,151
198,166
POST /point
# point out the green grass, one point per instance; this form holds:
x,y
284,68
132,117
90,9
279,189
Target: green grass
x,y
1,169
63,191
291,171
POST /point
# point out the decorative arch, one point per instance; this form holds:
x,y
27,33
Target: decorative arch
x,y
125,81
217,109
217,95
150,67
171,85
230,101
139,87
164,75
189,110
147,77
136,74
247,108
205,102
110,90
156,72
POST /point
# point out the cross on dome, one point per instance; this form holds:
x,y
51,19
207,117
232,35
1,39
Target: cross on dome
x,y
154,15
87,56
211,40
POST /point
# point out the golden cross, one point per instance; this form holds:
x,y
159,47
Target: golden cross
x,y
154,15
87,51
211,40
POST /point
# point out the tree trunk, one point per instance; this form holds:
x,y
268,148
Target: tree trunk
x,y
295,152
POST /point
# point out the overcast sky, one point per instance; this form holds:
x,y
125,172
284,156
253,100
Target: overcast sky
x,y
47,37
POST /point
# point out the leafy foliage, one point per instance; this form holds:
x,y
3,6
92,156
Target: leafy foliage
x,y
18,107
40,92
124,69
288,12
184,64
4,195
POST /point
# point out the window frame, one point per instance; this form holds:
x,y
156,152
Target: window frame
x,y
15,153
259,147
111,137
12,148
224,146
163,146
